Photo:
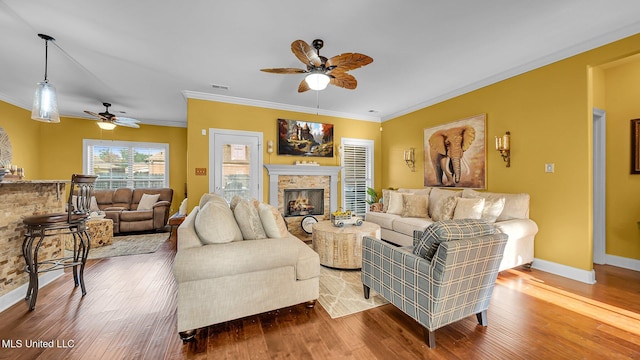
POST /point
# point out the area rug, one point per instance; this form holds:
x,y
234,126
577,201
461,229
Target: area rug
x,y
341,293
128,245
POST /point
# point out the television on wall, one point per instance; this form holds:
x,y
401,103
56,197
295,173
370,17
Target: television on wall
x,y
305,138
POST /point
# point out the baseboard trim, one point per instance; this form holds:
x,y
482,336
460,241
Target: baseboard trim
x,y
16,295
619,261
581,275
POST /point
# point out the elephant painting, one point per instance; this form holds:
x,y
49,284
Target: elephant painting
x,y
450,157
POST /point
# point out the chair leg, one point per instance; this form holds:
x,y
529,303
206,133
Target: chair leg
x,y
367,291
310,304
187,336
430,338
86,241
482,318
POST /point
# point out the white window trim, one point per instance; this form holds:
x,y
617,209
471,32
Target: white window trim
x,y
369,145
95,142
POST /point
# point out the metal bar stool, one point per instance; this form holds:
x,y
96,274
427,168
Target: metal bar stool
x,y
72,222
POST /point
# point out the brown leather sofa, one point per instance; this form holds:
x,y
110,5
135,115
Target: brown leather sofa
x,y
121,206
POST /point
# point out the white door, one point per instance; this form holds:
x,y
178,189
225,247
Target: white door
x,y
235,160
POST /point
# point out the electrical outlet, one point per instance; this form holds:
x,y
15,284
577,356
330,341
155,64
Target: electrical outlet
x,y
201,171
549,168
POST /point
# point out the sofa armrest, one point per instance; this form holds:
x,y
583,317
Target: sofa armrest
x,y
161,204
417,235
187,235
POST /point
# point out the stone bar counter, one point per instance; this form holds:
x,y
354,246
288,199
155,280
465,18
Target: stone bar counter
x,y
18,199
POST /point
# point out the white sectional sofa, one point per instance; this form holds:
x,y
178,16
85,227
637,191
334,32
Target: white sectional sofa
x,y
403,212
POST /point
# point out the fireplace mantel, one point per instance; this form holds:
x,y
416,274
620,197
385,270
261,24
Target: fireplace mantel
x,y
303,170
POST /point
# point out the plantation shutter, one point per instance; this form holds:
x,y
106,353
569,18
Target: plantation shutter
x,y
356,174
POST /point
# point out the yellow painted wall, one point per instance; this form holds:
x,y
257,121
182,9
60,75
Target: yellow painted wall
x,y
548,111
203,114
54,151
23,135
623,188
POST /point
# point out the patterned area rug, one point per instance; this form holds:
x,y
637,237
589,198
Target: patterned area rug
x,y
128,245
341,293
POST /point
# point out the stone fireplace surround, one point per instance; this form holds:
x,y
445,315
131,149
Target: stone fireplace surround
x,y
303,176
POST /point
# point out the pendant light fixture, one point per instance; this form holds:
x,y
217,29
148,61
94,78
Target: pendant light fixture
x,y
45,103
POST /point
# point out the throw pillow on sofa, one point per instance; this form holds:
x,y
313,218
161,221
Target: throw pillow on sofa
x,y
147,201
215,224
516,206
248,219
395,203
468,208
438,194
444,209
272,222
449,230
414,205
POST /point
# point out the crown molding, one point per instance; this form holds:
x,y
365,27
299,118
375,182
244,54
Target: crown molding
x,y
188,94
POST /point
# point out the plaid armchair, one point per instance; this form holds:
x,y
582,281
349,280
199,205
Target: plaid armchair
x,y
457,282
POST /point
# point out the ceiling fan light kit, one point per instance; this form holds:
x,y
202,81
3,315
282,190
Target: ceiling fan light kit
x,y
45,102
317,81
105,125
322,71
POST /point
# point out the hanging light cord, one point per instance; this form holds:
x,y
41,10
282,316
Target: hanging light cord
x,y
46,57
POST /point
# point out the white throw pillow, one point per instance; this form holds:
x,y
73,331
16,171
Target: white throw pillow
x,y
516,206
211,197
414,205
272,222
469,208
248,220
395,203
147,201
215,224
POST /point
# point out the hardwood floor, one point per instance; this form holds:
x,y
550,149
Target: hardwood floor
x,y
129,313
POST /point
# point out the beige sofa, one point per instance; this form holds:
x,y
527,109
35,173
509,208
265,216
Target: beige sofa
x,y
400,218
232,263
122,206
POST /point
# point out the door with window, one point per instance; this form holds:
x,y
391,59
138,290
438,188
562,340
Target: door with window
x,y
357,174
235,160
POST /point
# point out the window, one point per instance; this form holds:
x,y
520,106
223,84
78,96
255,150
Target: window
x,y
126,164
357,174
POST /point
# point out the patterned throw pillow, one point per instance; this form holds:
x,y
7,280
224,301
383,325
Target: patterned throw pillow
x,y
272,222
415,205
449,230
444,208
248,220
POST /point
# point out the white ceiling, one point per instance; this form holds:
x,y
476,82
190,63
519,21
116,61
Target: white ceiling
x,y
145,56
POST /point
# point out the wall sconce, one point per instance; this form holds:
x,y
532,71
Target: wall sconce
x,y
410,158
270,147
503,145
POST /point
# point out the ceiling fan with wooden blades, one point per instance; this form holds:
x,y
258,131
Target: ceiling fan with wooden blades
x,y
108,121
322,71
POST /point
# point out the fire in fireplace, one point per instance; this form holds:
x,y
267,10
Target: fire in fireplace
x,y
300,202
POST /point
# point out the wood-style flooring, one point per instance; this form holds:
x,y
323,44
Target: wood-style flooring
x,y
129,312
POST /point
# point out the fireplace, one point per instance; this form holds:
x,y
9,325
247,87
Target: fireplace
x,y
300,202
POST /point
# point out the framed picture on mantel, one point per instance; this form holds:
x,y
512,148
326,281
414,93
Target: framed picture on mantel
x,y
305,138
635,147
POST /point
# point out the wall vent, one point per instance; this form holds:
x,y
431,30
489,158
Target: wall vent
x,y
220,87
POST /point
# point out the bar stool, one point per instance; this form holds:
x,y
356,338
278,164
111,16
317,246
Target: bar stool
x,y
71,222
